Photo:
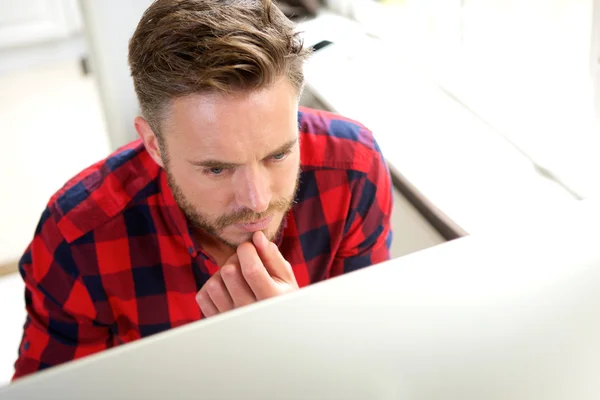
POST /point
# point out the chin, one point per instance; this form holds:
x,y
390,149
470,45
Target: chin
x,y
274,227
235,239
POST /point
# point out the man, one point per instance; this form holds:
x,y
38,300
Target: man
x,y
230,196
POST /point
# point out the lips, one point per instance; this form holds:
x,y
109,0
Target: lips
x,y
255,225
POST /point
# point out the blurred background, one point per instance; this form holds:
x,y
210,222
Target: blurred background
x,y
486,110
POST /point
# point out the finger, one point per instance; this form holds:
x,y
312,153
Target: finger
x,y
238,288
276,265
218,293
255,273
206,305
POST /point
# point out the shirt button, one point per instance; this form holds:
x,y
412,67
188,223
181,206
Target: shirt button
x,y
191,250
26,346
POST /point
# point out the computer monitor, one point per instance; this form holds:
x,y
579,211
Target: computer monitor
x,y
514,315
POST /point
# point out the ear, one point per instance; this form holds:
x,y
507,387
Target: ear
x,y
149,138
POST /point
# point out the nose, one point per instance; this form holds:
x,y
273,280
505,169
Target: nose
x,y
253,188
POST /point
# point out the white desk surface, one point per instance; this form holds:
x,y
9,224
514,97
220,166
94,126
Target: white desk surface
x,y
469,172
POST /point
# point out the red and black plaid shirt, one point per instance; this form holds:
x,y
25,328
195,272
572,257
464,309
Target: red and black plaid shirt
x,y
113,259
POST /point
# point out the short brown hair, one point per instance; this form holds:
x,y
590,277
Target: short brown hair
x,y
181,47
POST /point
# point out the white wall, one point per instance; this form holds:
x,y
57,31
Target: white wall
x,y
109,25
411,231
50,127
50,119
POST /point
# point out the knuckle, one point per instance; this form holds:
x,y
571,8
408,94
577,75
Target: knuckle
x,y
229,271
254,270
213,286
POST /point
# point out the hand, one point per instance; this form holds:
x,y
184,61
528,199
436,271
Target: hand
x,y
256,271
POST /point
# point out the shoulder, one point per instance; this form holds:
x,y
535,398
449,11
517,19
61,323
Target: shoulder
x,y
329,140
341,165
105,189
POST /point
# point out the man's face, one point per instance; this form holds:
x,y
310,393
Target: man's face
x,y
232,161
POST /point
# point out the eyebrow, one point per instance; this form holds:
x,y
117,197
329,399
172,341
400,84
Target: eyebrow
x,y
211,163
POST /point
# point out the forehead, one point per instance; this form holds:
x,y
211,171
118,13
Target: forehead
x,y
217,121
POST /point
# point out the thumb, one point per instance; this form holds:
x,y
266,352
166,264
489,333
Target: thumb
x,y
276,265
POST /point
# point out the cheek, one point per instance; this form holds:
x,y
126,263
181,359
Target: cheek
x,y
285,179
206,195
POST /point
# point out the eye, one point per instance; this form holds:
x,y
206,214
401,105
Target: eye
x,y
279,157
214,171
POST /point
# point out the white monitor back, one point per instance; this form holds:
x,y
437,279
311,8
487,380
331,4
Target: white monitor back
x,y
510,316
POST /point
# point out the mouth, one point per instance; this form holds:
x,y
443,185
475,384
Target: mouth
x,y
254,226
